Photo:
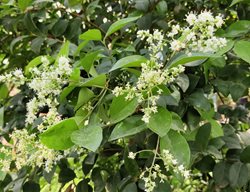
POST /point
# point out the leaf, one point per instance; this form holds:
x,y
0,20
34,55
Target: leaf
x,y
88,163
220,174
183,81
31,186
177,145
66,175
83,186
84,96
1,117
58,136
35,62
98,81
142,5
129,61
16,40
185,59
4,92
160,122
64,51
120,24
131,166
96,177
202,136
60,27
80,47
130,126
177,123
238,29
245,155
89,137
36,44
66,91
91,34
197,99
216,130
88,61
23,4
235,2
237,90
30,24
121,108
241,49
238,175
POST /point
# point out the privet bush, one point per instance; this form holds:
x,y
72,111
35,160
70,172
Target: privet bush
x,y
124,96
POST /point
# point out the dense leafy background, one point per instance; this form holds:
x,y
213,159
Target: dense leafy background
x,y
218,151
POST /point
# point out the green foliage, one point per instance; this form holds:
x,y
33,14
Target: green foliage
x,y
58,136
101,137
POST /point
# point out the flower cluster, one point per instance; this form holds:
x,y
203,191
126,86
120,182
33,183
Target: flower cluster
x,y
152,76
199,36
27,151
47,81
15,77
151,174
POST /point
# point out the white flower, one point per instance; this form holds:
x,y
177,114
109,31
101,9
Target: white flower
x,y
63,60
131,155
177,45
191,18
109,9
219,21
44,60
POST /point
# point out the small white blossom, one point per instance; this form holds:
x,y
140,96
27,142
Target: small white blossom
x,y
131,155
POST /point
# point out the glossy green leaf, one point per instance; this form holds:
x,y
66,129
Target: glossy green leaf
x,y
58,136
129,61
238,28
35,62
220,173
177,145
245,155
98,81
120,24
4,92
189,60
121,108
197,99
177,123
17,40
66,175
66,91
89,137
1,117
60,27
97,178
91,34
234,2
31,186
88,61
80,47
64,51
238,175
130,126
23,4
183,81
31,25
241,49
202,136
160,122
84,96
216,130
83,186
36,44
